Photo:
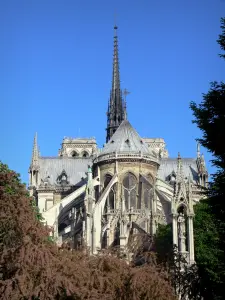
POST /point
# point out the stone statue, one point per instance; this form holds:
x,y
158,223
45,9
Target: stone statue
x,y
181,225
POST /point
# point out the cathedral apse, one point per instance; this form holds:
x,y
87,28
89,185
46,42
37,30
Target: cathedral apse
x,y
98,197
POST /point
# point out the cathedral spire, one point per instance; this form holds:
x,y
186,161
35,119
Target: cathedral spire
x,y
116,72
116,108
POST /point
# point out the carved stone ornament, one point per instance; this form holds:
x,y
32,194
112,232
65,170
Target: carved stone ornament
x,y
62,179
45,181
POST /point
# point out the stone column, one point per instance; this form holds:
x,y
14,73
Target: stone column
x,y
122,235
107,238
94,241
153,223
175,236
191,239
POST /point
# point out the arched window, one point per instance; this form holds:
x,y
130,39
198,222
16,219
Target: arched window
x,y
110,202
130,193
146,192
107,180
85,154
150,178
74,154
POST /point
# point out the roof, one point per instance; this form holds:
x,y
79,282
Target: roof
x,y
125,139
168,165
75,168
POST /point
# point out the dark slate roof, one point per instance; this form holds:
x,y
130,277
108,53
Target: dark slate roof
x,y
125,139
168,165
75,168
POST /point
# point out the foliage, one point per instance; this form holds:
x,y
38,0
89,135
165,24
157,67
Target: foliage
x,y
208,253
221,40
210,119
203,279
164,243
31,267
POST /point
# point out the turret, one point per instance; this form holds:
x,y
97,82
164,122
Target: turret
x,y
202,171
182,215
34,166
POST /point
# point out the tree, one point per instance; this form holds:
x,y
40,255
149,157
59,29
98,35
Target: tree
x,y
163,243
208,253
201,280
210,119
31,267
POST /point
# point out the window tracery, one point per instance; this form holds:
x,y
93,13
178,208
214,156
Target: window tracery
x,y
130,193
110,202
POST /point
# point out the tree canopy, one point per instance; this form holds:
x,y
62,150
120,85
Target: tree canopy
x,y
210,214
207,280
31,267
210,119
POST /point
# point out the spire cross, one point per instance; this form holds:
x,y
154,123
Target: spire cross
x,y
125,93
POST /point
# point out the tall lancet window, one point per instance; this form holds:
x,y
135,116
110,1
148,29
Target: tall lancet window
x,y
148,197
146,192
149,192
130,193
110,202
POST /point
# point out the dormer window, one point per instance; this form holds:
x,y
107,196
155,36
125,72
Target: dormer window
x,y
85,154
62,178
74,154
172,177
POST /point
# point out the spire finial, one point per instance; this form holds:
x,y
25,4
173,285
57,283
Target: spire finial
x,y
179,166
35,152
198,149
125,93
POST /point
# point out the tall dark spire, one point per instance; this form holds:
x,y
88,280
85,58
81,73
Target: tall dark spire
x,y
116,109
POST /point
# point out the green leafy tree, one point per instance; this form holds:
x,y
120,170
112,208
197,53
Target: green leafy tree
x,y
210,119
202,280
208,253
163,244
210,214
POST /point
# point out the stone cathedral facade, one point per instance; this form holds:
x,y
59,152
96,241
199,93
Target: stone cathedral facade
x,y
100,197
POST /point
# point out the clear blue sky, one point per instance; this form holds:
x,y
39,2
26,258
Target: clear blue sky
x,y
56,68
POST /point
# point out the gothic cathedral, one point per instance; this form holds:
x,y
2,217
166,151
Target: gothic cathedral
x,y
100,197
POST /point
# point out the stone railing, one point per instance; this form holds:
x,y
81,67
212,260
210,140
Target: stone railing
x,y
111,212
124,155
127,211
134,211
